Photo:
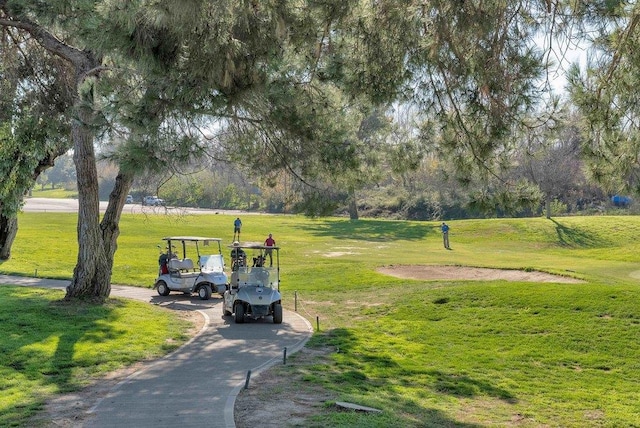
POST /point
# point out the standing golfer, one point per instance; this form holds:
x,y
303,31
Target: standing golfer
x,y
237,224
445,235
269,242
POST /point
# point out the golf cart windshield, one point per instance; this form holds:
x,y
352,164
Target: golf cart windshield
x,y
212,263
254,264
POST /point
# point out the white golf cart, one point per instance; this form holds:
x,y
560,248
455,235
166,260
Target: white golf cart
x,y
254,289
180,274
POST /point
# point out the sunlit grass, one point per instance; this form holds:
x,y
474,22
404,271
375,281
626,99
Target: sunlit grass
x,y
58,193
429,353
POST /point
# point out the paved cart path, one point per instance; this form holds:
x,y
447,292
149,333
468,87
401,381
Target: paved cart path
x,y
196,385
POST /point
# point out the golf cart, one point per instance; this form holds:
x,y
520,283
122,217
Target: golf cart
x,y
254,290
180,274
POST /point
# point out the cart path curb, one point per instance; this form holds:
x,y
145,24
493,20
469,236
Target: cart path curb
x,y
229,418
152,363
123,291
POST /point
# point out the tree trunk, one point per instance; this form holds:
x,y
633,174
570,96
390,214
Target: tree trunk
x,y
92,274
353,204
8,231
96,240
547,206
111,220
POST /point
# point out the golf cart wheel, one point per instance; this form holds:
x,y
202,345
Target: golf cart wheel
x,y
204,292
163,290
239,314
277,313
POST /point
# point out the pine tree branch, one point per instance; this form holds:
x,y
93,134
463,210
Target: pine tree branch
x,y
617,55
84,61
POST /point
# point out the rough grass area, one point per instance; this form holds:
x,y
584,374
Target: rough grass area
x,y
487,354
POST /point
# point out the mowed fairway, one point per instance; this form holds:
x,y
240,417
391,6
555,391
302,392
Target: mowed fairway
x,y
428,353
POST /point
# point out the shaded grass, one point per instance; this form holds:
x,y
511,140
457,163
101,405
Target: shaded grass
x,y
51,347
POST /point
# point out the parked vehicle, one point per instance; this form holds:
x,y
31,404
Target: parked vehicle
x,y
177,271
129,199
254,290
153,201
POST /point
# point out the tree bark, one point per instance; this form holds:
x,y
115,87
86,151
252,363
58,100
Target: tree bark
x,y
97,240
547,206
353,204
8,231
92,274
110,224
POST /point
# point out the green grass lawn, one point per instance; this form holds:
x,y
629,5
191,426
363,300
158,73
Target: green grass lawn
x,y
58,193
430,353
50,347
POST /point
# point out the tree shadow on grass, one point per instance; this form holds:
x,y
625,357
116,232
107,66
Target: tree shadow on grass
x,y
578,238
48,321
95,321
372,230
465,386
349,374
40,345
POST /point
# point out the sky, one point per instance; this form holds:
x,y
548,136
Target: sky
x,y
563,54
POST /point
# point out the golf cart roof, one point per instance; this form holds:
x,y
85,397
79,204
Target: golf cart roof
x,y
252,245
190,238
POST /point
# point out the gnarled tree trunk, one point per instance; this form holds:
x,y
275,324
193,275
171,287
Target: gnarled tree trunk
x,y
111,220
8,231
92,274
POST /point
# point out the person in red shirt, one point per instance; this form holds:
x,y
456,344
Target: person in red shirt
x,y
269,242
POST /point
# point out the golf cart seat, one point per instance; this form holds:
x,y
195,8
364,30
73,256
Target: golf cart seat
x,y
187,264
177,265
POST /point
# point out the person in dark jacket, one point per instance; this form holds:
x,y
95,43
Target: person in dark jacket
x,y
445,235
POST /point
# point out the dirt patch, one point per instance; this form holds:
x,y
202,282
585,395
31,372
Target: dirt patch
x,y
280,397
454,273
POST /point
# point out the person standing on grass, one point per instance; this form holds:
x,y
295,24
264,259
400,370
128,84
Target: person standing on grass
x,y
269,242
237,224
445,235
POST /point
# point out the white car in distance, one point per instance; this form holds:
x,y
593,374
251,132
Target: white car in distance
x,y
153,201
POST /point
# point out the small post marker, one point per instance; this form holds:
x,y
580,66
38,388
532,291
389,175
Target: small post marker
x,y
284,359
295,301
246,383
317,323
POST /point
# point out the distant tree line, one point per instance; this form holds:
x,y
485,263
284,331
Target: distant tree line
x,y
424,192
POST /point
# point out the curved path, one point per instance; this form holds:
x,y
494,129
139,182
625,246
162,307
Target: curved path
x,y
196,385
